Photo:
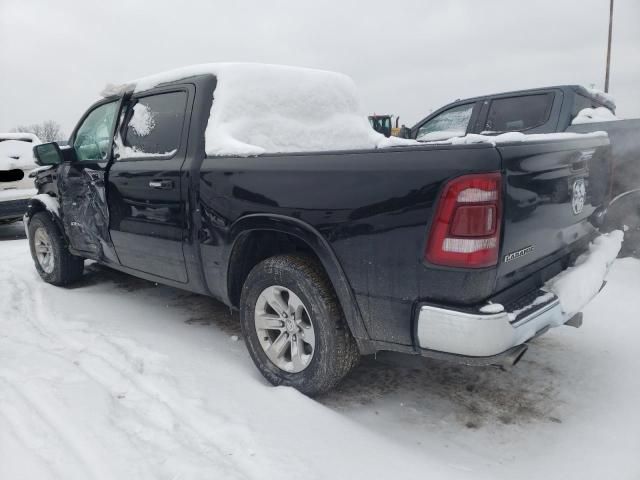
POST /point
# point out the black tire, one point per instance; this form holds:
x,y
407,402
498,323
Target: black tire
x,y
336,352
67,268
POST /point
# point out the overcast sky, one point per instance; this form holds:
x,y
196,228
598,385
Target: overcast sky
x,y
407,57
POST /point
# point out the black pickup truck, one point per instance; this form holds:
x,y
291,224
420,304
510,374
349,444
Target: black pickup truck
x,y
327,255
548,110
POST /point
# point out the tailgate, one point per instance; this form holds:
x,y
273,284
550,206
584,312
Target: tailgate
x,y
554,190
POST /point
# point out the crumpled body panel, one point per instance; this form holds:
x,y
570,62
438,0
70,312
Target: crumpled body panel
x,y
85,213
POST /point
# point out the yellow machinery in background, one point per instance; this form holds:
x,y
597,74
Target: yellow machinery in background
x,y
384,124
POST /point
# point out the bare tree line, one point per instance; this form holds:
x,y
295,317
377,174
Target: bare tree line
x,y
47,131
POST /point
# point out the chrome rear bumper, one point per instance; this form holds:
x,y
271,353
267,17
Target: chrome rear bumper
x,y
482,335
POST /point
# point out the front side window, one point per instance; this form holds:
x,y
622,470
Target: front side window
x,y
154,126
449,124
515,114
93,139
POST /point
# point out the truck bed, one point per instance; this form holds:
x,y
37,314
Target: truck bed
x,y
374,209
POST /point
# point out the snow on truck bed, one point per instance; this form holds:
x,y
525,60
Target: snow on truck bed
x,y
261,109
594,115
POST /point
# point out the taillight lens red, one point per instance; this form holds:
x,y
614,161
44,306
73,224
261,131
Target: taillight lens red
x,y
466,226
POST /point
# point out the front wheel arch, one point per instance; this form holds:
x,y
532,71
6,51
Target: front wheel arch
x,y
36,205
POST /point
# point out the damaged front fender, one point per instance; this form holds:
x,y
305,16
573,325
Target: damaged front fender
x,y
43,202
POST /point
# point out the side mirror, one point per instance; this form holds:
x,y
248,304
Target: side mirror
x,y
48,154
405,132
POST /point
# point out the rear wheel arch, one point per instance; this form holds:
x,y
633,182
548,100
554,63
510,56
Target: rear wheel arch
x,y
258,237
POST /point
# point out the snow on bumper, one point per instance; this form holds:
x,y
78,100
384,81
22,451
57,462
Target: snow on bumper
x,y
577,285
495,331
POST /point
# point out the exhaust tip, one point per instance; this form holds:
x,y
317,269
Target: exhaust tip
x,y
512,357
575,321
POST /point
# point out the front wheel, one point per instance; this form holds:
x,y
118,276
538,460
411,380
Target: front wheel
x,y
293,325
53,261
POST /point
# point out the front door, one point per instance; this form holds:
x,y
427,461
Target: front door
x,y
81,184
148,217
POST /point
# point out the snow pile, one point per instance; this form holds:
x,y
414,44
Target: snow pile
x,y
577,285
25,136
261,109
513,137
143,120
491,308
16,151
594,115
125,151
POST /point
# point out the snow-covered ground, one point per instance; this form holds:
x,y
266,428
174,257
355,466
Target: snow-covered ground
x,y
121,378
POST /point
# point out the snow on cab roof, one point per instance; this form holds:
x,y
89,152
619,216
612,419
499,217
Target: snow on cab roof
x,y
259,108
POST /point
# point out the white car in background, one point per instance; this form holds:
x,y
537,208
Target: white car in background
x,y
16,161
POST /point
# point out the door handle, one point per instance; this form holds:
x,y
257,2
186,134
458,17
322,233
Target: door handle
x,y
161,184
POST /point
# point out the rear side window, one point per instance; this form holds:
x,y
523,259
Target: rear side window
x,y
515,114
450,123
154,127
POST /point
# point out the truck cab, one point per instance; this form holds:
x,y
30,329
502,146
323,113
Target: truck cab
x,y
539,110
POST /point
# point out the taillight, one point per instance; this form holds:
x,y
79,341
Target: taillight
x,y
466,225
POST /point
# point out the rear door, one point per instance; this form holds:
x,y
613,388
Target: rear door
x,y
535,112
554,190
148,212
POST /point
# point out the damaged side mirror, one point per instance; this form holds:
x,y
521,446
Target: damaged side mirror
x,y
48,154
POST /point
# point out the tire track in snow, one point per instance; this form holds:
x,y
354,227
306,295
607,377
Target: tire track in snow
x,y
156,420
35,418
92,465
147,415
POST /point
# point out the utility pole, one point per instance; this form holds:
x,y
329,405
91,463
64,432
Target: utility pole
x,y
606,78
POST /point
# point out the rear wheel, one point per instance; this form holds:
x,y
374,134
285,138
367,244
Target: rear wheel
x,y
293,325
53,261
